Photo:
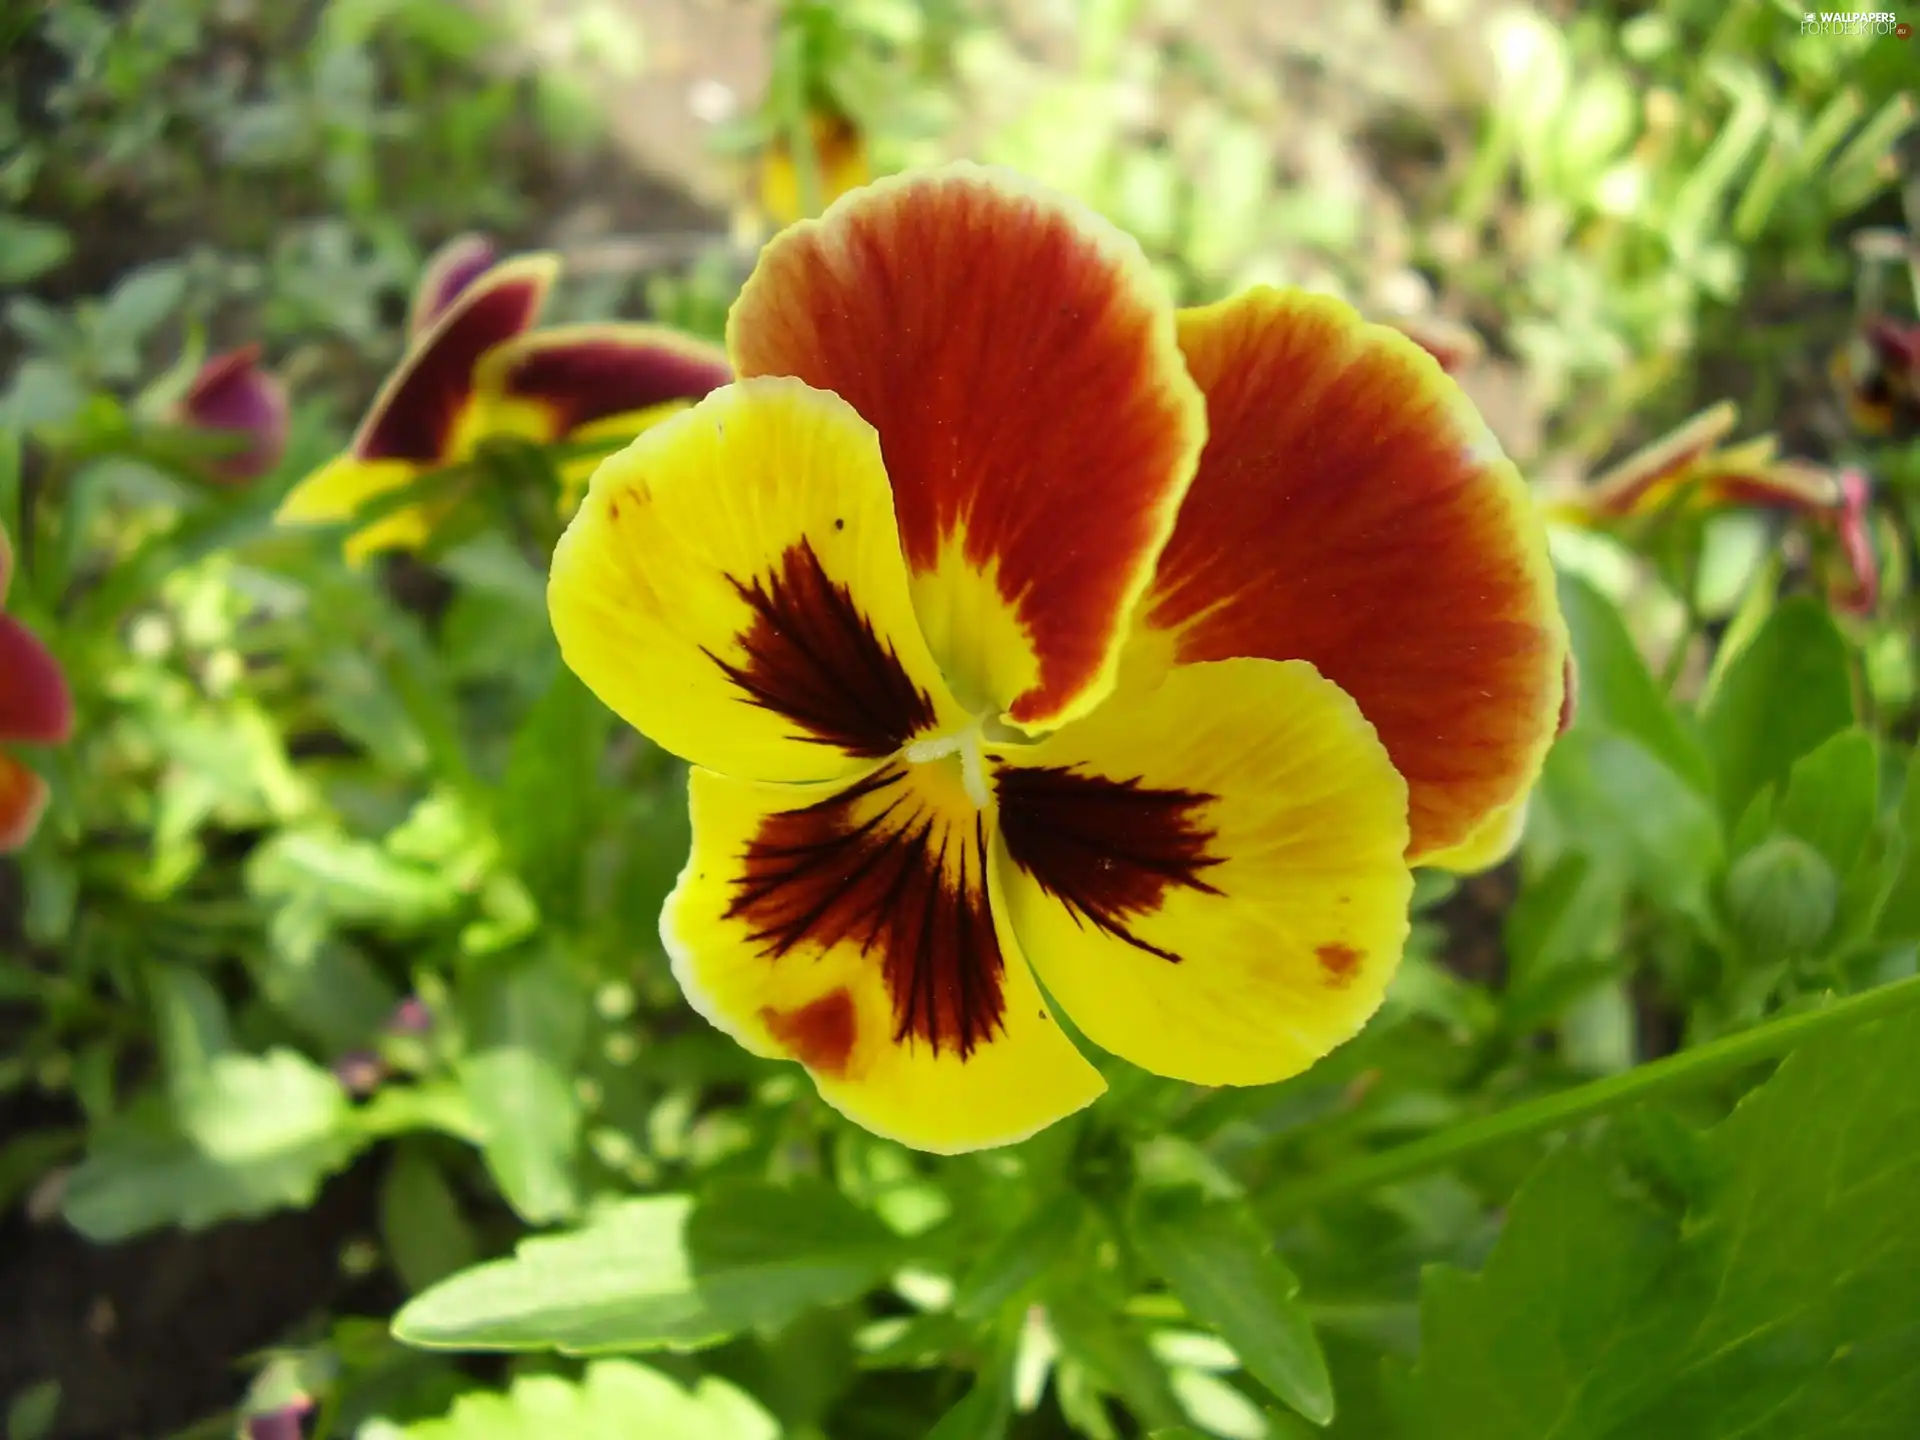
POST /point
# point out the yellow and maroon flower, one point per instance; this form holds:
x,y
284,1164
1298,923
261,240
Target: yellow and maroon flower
x,y
476,370
1690,469
1021,631
231,395
35,709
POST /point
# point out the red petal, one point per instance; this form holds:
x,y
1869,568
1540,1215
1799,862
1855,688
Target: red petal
x,y
34,702
1351,511
1014,354
416,413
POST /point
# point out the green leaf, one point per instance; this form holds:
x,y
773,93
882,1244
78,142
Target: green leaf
x,y
613,1397
1900,910
1616,690
257,1132
1783,1304
518,1082
1019,1257
663,1273
1114,1352
1832,797
420,1220
31,1412
190,1023
356,881
1634,817
529,1118
981,1414
30,248
1215,1257
1789,690
552,790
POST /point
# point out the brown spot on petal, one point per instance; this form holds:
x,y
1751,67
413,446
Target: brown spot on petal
x,y
1340,962
820,1034
872,867
813,658
1107,849
1569,697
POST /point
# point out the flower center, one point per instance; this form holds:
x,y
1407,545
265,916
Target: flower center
x,y
967,743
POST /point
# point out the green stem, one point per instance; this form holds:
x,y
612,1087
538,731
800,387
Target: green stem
x,y
1586,1102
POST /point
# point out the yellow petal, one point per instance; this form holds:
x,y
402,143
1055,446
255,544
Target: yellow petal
x,y
337,490
1497,836
850,927
1209,875
733,587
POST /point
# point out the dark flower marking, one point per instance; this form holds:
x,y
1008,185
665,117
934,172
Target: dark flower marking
x,y
1109,850
819,1034
414,420
1340,962
813,658
588,379
870,867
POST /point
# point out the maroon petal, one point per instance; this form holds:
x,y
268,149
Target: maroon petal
x,y
452,268
1859,592
417,414
577,374
34,702
232,395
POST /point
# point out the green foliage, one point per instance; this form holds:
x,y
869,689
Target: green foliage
x,y
613,1397
1775,1296
666,1272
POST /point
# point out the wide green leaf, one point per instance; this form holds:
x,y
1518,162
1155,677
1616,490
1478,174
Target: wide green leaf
x,y
252,1134
1784,1303
1832,797
1785,693
613,1398
1214,1257
663,1272
1900,910
1617,691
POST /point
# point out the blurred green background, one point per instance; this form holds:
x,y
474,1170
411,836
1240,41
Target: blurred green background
x,y
333,972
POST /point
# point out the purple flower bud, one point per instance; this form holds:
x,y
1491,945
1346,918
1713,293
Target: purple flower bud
x,y
411,1017
286,1423
232,395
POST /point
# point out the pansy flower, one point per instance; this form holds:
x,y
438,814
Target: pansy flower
x,y
1024,633
230,395
1691,469
35,709
1878,374
476,370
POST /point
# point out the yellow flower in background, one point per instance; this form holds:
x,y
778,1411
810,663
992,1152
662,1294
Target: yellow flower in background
x,y
1022,631
476,370
840,158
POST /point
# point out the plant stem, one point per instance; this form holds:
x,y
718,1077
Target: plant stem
x,y
1585,1102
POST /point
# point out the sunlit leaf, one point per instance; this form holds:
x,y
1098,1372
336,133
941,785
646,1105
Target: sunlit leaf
x,y
664,1272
